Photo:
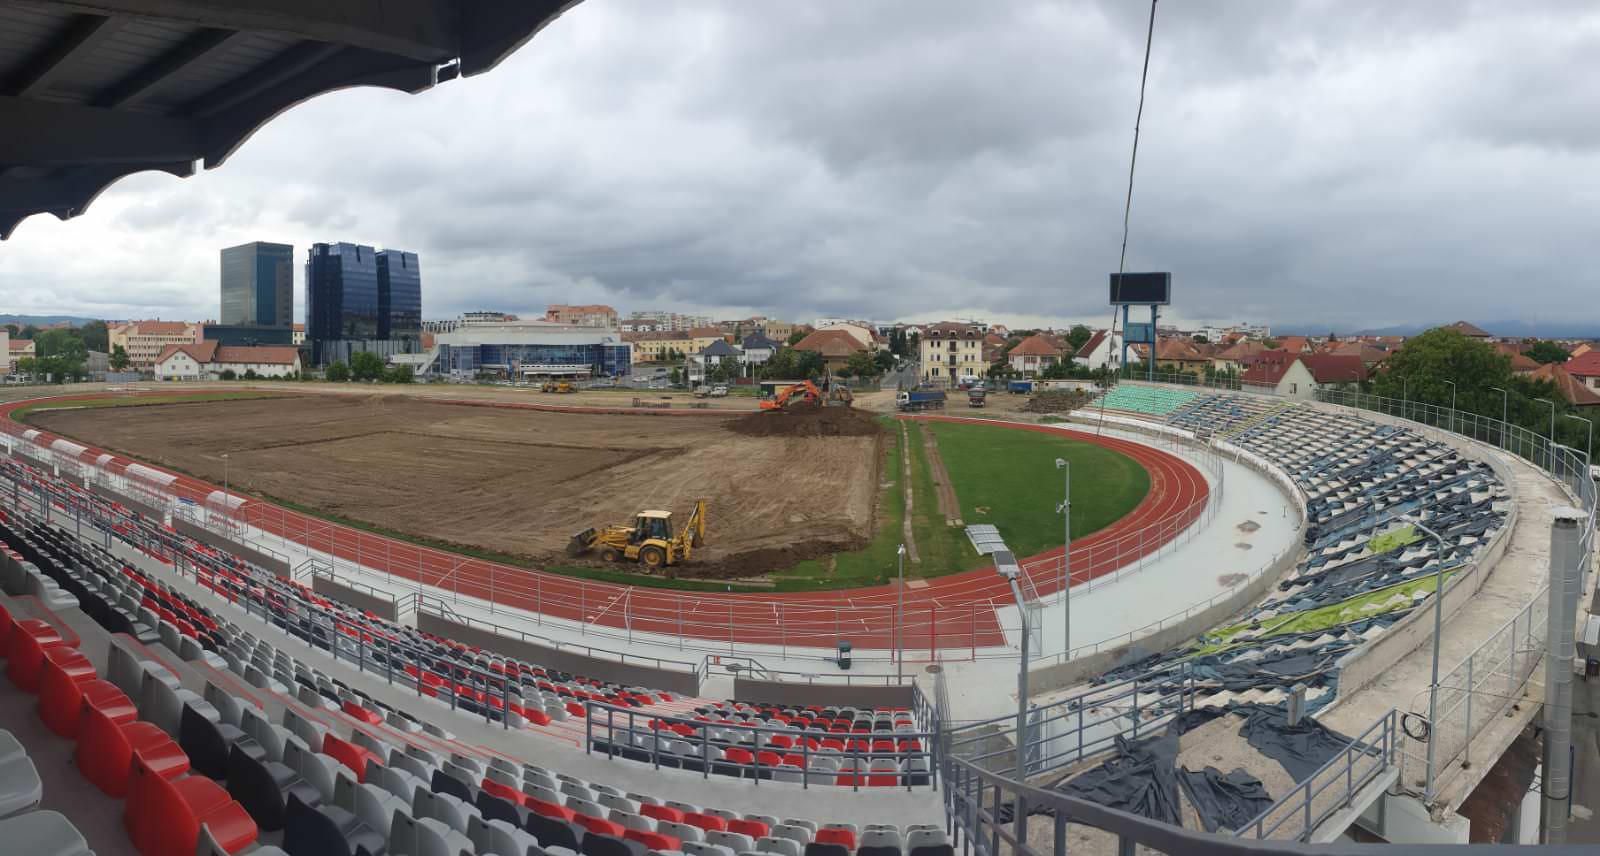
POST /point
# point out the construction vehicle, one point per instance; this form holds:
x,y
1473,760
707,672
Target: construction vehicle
x,y
649,541
920,399
803,393
976,396
558,386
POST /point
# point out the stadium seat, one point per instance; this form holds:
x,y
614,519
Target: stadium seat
x,y
110,739
163,816
25,654
62,676
929,842
42,833
263,788
326,830
20,788
353,757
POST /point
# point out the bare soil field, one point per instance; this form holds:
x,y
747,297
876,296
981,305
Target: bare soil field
x,y
518,482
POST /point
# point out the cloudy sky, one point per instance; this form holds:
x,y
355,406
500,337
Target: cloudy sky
x,y
1341,163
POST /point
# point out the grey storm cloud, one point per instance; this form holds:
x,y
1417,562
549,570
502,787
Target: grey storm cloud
x,y
1351,163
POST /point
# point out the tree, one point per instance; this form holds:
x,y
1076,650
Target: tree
x,y
795,337
1078,335
61,355
366,366
860,364
228,374
677,376
95,336
338,372
14,331
399,374
885,361
1545,352
1199,339
1420,369
119,358
1269,344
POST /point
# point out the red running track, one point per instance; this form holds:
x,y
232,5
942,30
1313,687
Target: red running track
x,y
947,614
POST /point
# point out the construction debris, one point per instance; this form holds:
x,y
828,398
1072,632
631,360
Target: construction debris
x,y
1057,401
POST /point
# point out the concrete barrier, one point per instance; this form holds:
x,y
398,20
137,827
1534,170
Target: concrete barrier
x,y
126,501
278,566
802,694
376,602
629,674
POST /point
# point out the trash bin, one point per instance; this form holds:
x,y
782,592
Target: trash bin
x,y
844,654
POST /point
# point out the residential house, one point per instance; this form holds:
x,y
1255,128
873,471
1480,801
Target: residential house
x,y
1102,351
1577,393
15,349
297,334
584,315
712,355
757,348
835,346
145,341
1579,349
1035,354
1233,358
994,347
1468,329
1586,369
952,353
1521,364
865,335
1370,356
1295,344
207,360
1301,375
1178,354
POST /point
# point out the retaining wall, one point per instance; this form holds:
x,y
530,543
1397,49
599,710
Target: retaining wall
x,y
276,565
367,599
802,694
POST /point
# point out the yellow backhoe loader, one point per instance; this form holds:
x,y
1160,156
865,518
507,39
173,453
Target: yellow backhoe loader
x,y
650,541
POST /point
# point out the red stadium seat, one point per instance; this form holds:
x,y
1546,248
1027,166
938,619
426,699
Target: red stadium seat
x,y
370,717
108,740
61,679
6,624
752,828
547,809
503,791
163,816
598,826
834,835
708,822
661,812
25,657
349,754
654,840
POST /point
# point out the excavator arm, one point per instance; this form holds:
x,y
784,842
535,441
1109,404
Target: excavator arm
x,y
694,530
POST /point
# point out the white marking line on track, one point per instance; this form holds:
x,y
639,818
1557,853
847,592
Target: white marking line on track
x,y
607,608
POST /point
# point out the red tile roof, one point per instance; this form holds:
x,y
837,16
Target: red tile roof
x,y
831,343
272,355
1094,342
161,328
204,352
1572,389
20,344
1037,345
1586,364
1294,344
1334,368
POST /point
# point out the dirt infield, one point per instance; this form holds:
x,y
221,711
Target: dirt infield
x,y
517,482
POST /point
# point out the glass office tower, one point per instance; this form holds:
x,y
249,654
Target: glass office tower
x,y
399,295
341,295
257,285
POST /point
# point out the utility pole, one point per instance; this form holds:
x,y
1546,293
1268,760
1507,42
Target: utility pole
x,y
1566,575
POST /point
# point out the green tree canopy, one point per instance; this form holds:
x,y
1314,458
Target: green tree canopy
x,y
95,336
1424,367
1545,351
365,366
1078,335
119,358
399,374
795,337
338,372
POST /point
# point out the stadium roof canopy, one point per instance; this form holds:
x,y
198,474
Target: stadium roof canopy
x,y
92,91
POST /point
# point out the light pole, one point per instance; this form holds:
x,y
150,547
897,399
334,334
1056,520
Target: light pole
x,y
1005,564
1505,410
227,506
1588,447
1064,508
1438,621
900,618
1405,397
1452,426
1552,457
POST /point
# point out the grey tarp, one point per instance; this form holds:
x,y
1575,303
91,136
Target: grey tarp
x,y
1302,748
1142,778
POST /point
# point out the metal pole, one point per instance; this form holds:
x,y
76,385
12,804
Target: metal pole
x,y
1438,621
1551,458
1019,807
1566,573
1505,410
1065,509
1452,404
900,618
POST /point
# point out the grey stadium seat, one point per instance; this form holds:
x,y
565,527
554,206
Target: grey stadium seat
x,y
20,788
43,833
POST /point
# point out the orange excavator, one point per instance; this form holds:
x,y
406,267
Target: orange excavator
x,y
804,393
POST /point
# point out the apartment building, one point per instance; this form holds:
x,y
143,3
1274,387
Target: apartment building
x,y
952,353
144,340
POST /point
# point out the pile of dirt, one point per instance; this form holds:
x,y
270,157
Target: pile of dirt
x,y
1057,401
807,422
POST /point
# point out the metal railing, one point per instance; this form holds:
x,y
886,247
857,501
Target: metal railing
x,y
639,735
1332,788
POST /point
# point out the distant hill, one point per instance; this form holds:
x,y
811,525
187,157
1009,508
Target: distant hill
x,y
43,320
1520,329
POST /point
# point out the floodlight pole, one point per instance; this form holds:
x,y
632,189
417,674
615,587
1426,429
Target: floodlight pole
x,y
1066,556
1438,621
1019,806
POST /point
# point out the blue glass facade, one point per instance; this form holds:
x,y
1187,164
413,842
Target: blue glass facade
x,y
399,295
257,285
602,360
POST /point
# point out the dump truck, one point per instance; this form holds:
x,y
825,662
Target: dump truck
x,y
920,399
976,396
649,541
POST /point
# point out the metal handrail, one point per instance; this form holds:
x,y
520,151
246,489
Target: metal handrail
x,y
1379,741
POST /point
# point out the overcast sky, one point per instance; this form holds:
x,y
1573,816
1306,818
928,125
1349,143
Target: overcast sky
x,y
1339,163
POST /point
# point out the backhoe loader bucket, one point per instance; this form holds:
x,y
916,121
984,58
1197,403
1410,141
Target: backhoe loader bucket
x,y
581,542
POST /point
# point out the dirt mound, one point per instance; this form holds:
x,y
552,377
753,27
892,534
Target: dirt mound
x,y
807,422
1057,401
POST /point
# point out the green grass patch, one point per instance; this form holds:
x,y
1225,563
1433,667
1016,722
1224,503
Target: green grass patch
x,y
1008,478
1392,540
21,414
1360,607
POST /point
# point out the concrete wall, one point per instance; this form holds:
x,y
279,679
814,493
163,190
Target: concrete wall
x,y
631,674
277,566
799,694
371,600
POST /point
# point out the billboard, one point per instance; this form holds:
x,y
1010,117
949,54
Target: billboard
x,y
1141,289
